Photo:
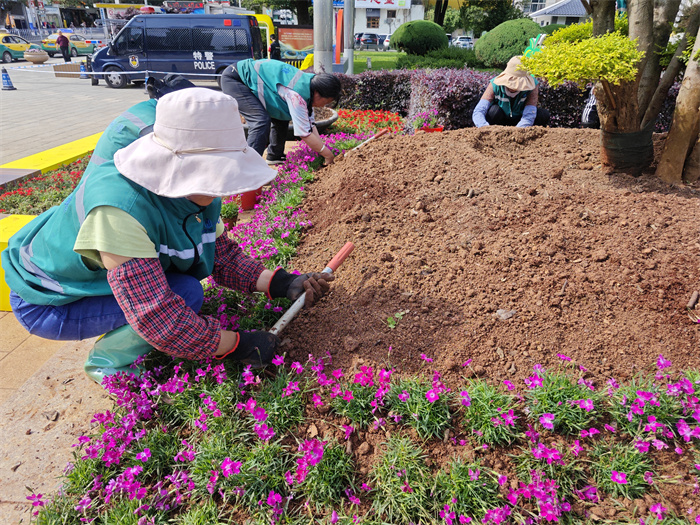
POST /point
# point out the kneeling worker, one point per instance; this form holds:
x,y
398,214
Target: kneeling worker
x,y
270,93
124,254
511,100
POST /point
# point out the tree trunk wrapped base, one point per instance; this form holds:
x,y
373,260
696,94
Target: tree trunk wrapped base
x,y
628,151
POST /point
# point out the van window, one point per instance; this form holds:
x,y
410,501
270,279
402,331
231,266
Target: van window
x,y
220,40
168,39
129,40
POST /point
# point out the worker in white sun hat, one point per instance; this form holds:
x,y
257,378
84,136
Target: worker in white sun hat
x,y
124,254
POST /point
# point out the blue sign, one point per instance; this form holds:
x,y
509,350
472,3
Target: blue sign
x,y
338,4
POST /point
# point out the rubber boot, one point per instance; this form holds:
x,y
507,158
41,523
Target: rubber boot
x,y
115,352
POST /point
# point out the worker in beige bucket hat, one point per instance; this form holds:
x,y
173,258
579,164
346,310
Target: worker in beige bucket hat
x,y
511,99
124,254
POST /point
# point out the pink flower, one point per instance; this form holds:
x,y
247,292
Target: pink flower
x,y
609,428
466,399
274,499
338,373
348,431
406,487
292,387
508,385
143,456
296,366
662,363
334,517
347,395
403,396
467,363
464,519
576,448
264,432
649,477
317,400
619,477
533,381
426,358
547,421
259,414
278,360
432,395
502,480
659,510
563,357
229,467
642,446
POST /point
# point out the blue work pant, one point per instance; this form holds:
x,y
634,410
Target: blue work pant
x,y
92,316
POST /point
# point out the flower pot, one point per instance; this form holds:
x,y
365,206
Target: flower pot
x,y
432,130
321,125
36,58
230,222
249,198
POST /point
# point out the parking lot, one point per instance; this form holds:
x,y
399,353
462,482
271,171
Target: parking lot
x,y
45,112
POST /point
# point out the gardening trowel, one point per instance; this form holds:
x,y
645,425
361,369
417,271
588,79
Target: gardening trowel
x,y
299,303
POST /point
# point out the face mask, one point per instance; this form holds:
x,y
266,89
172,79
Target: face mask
x,y
511,93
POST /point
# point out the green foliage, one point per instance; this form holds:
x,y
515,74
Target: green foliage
x,y
666,54
229,210
484,15
607,457
358,409
430,419
505,41
418,37
452,19
327,481
451,57
611,57
556,395
469,490
551,28
577,32
285,412
482,412
402,482
555,463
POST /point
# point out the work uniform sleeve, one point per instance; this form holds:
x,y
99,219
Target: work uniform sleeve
x,y
298,109
233,268
159,315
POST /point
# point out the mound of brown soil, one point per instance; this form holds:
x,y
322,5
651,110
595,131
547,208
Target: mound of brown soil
x,y
505,246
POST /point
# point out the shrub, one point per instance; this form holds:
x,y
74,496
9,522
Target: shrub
x,y
551,28
577,32
505,41
418,37
451,57
386,90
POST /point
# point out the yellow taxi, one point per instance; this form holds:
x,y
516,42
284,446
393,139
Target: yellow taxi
x,y
12,47
78,45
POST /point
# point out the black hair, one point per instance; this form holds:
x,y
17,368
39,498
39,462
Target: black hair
x,y
171,82
327,86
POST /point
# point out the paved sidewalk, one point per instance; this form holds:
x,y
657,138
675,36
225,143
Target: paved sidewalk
x,y
45,111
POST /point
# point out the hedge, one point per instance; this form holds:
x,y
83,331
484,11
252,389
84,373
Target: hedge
x,y
455,93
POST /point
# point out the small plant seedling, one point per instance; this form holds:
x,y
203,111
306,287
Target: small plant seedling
x,y
391,322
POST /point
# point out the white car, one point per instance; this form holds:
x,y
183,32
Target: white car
x,y
465,42
385,45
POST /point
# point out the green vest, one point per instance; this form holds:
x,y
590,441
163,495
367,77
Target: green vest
x,y
39,262
513,107
262,77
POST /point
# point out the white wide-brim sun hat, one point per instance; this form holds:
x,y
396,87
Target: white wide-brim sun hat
x,y
515,79
197,147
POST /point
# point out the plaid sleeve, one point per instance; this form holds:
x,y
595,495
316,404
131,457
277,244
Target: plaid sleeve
x,y
158,314
233,268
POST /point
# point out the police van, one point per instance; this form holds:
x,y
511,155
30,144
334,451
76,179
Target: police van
x,y
196,45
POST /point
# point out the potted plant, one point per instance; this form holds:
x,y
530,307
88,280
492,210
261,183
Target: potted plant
x,y
229,211
36,55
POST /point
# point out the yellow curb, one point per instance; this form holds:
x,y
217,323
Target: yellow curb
x,y
56,157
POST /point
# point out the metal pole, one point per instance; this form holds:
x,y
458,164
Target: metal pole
x,y
349,29
323,36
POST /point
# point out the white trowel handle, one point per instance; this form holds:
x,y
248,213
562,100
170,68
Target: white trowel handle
x,y
299,303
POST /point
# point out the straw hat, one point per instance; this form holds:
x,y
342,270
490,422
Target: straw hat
x,y
515,79
197,147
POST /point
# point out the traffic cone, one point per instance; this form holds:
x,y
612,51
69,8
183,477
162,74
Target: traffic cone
x,y
83,71
6,82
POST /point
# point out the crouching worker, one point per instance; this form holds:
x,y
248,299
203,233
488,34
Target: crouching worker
x,y
124,254
511,100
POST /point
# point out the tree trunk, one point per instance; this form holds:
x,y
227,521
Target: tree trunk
x,y
603,16
663,17
654,107
691,172
301,7
686,123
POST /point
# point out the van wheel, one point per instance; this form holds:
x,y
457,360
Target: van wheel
x,y
115,78
74,52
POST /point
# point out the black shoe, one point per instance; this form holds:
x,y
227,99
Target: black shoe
x,y
275,159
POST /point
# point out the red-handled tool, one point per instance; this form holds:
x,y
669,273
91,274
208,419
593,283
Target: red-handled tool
x,y
336,261
380,133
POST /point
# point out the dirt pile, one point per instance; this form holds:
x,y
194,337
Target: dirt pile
x,y
505,246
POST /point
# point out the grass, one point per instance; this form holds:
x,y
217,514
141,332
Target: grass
x,y
380,60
